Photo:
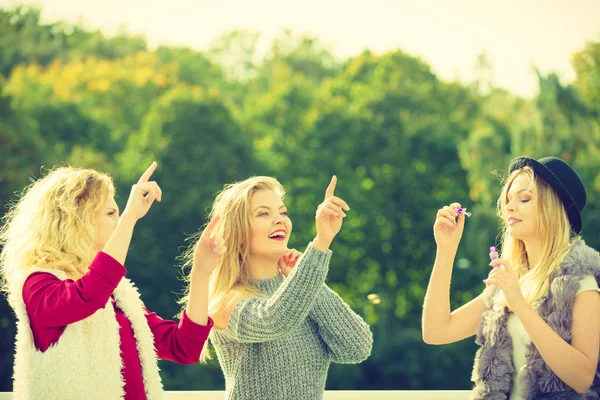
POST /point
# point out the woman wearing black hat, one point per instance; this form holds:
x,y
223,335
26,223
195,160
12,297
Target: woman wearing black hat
x,y
538,320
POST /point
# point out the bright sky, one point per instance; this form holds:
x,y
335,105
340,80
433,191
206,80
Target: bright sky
x,y
449,35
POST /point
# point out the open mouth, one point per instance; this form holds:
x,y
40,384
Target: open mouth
x,y
278,235
512,221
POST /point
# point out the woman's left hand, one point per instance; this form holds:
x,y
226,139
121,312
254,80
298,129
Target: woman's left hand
x,y
504,276
209,249
288,261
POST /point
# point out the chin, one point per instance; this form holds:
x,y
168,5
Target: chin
x,y
274,250
513,233
284,249
520,235
281,249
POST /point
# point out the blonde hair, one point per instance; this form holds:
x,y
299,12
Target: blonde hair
x,y
54,224
554,229
231,274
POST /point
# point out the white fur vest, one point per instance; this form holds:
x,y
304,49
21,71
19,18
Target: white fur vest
x,y
493,369
86,362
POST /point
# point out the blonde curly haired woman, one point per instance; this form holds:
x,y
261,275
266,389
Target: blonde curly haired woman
x,y
82,330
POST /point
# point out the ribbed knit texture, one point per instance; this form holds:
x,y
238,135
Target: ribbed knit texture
x,y
279,347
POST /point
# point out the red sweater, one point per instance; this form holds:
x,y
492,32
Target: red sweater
x,y
52,304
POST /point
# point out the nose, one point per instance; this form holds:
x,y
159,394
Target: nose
x,y
510,206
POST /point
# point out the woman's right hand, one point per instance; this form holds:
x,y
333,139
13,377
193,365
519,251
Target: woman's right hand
x,y
329,217
142,195
447,230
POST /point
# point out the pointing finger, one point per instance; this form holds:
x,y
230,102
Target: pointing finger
x,y
331,188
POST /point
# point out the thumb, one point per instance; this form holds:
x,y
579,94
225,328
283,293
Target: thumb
x,y
461,221
150,199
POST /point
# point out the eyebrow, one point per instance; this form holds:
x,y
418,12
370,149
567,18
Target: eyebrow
x,y
522,190
268,208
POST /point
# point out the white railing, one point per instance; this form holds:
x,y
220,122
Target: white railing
x,y
329,395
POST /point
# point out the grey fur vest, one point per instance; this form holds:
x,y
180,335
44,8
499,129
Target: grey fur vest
x,y
493,369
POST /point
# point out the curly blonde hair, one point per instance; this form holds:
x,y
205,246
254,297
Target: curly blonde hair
x,y
54,223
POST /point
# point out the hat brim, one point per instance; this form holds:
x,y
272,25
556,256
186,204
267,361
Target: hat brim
x,y
542,171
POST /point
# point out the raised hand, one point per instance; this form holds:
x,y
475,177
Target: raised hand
x,y
448,230
330,215
209,249
142,195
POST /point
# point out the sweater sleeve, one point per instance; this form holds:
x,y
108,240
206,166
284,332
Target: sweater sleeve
x,y
347,337
53,303
256,319
178,342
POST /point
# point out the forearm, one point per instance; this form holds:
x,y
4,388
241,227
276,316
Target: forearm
x,y
178,342
331,312
197,306
345,333
567,362
436,308
262,319
118,243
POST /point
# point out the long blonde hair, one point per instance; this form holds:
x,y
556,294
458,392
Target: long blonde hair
x,y
54,224
232,274
553,227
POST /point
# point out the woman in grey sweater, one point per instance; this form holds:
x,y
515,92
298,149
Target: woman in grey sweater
x,y
275,335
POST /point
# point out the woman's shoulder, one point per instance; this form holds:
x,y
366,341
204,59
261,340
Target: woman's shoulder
x,y
581,260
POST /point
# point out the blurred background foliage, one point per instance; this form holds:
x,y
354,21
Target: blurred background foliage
x,y
402,142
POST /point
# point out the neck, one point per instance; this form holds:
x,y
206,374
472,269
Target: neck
x,y
534,252
263,267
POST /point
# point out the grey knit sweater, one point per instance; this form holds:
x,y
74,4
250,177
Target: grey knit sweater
x,y
279,347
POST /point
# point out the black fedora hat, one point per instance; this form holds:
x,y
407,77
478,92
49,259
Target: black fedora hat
x,y
563,179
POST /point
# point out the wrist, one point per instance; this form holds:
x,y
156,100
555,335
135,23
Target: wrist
x,y
127,218
446,253
321,243
521,307
198,274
